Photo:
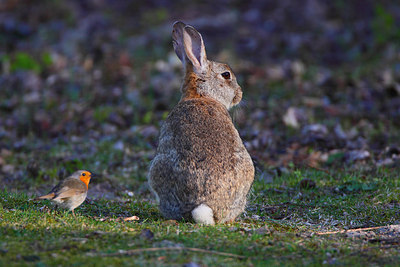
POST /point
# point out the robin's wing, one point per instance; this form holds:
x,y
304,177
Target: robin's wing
x,y
70,192
69,188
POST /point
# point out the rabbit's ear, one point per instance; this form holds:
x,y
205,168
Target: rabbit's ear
x,y
177,40
194,49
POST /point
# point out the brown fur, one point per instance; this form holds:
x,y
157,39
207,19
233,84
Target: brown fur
x,y
211,164
189,88
201,158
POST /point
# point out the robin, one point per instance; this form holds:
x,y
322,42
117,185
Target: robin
x,y
70,192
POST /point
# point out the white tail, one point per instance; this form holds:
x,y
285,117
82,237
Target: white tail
x,y
203,214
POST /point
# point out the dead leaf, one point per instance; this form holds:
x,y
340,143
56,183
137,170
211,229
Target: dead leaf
x,y
132,218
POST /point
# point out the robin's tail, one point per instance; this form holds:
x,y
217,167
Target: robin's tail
x,y
48,196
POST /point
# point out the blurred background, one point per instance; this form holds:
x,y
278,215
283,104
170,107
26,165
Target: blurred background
x,y
86,84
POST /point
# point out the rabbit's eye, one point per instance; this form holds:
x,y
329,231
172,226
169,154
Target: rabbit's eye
x,y
226,75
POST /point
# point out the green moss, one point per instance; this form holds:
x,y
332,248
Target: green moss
x,y
24,61
102,113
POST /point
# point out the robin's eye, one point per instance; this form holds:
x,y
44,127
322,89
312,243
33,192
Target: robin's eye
x,y
83,174
226,75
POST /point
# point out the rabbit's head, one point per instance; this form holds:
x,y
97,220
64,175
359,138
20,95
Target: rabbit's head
x,y
203,77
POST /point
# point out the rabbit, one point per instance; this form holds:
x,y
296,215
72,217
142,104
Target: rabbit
x,y
201,172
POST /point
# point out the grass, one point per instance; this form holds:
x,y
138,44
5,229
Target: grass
x,y
279,227
81,122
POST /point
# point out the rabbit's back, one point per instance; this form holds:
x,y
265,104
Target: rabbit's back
x,y
201,130
201,159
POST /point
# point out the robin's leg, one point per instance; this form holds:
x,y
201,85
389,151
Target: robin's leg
x,y
73,213
54,209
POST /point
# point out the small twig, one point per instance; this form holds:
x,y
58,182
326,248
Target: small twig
x,y
372,248
352,230
318,169
287,204
140,250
